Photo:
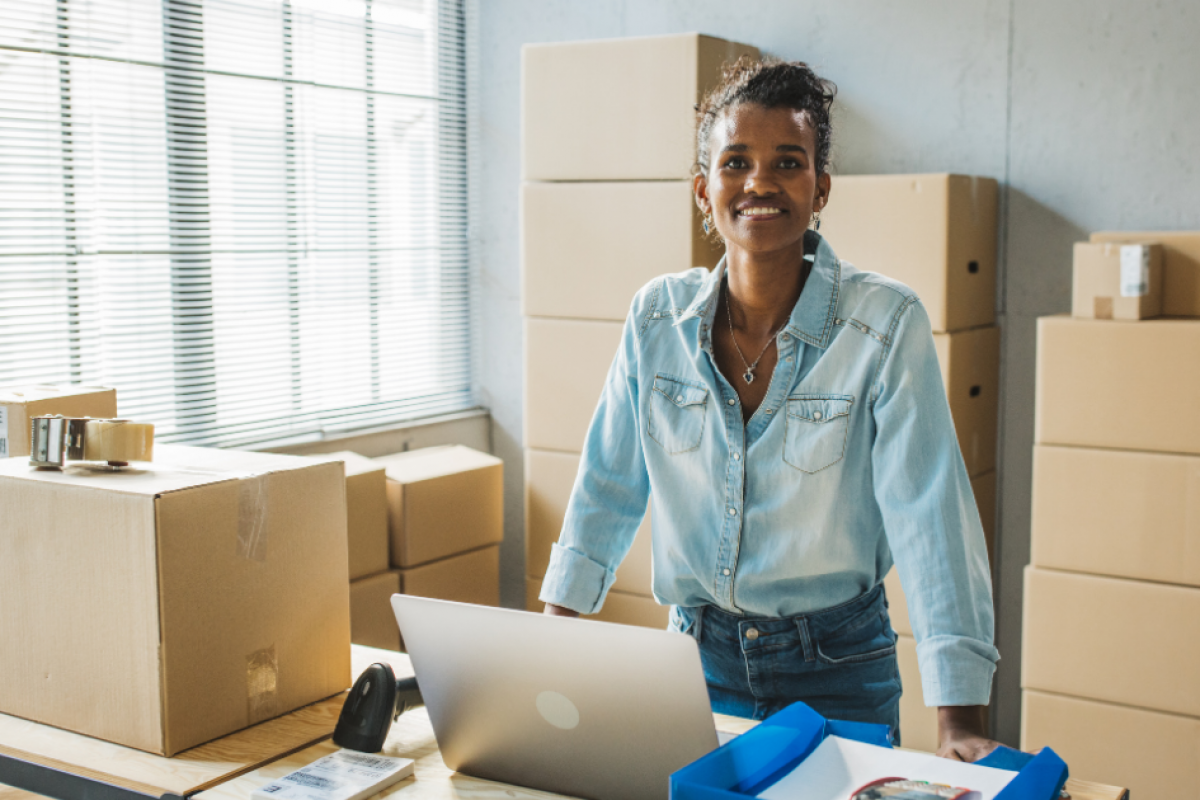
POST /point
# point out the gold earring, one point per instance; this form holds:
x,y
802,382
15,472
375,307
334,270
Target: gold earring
x,y
708,223
816,221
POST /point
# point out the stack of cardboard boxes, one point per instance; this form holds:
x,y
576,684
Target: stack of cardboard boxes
x,y
19,404
603,211
1112,597
937,234
427,522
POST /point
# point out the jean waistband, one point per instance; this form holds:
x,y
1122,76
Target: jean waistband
x,y
824,619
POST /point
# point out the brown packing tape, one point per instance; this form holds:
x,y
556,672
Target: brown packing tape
x,y
118,440
252,517
262,685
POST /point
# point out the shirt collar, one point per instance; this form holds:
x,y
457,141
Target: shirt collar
x,y
812,319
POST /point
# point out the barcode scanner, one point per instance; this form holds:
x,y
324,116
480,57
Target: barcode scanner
x,y
376,699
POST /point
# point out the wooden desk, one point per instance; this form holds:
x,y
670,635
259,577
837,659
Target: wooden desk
x,y
232,767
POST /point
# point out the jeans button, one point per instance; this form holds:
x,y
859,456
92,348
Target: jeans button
x,y
752,634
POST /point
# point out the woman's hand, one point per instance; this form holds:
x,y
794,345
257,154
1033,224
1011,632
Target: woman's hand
x,y
960,733
559,611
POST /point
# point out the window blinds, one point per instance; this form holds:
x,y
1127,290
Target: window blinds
x,y
249,216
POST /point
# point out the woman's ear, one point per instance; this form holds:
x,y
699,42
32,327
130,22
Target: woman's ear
x,y
824,186
700,190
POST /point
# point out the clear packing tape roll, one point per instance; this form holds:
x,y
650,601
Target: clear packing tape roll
x,y
55,440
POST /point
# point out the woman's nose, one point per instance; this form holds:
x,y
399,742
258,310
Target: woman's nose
x,y
760,181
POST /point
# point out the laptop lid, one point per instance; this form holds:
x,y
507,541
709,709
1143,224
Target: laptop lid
x,y
584,708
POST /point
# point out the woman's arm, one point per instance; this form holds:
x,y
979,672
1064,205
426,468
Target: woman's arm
x,y
933,528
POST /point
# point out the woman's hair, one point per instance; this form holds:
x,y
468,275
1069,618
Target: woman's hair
x,y
774,84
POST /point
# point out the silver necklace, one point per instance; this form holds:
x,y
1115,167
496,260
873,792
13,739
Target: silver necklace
x,y
748,375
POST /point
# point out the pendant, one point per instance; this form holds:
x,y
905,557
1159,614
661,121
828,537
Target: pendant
x,y
748,377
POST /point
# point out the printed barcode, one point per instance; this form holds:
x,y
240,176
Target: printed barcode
x,y
370,761
311,781
3,448
272,788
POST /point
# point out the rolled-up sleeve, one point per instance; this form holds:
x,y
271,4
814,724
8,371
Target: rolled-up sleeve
x,y
931,520
610,494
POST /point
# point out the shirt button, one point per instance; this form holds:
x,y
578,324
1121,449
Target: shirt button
x,y
679,399
733,512
788,359
731,402
737,456
786,337
769,411
816,415
752,634
725,571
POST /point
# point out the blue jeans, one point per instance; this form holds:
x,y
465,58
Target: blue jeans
x,y
841,661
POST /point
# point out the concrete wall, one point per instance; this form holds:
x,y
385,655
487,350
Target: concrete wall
x,y
1088,111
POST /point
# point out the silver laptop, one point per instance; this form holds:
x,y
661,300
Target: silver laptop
x,y
589,709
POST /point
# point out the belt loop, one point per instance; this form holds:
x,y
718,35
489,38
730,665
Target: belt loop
x,y
805,639
698,625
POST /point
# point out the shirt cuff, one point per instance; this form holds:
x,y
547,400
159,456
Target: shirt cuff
x,y
575,581
956,670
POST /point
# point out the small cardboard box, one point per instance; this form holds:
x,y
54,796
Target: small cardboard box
x,y
624,608
472,577
970,362
984,488
1111,384
934,233
1112,639
572,93
167,605
366,513
1181,266
1151,753
442,501
549,478
573,264
566,364
18,404
1117,281
372,622
1116,512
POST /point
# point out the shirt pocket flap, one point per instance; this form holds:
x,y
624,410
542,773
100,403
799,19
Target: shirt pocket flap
x,y
680,393
819,408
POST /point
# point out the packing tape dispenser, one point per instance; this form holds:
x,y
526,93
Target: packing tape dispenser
x,y
55,440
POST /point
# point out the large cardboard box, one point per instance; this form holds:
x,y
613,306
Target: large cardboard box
x,y
1150,753
970,362
1181,266
1111,639
1119,385
574,264
566,363
549,478
935,233
442,501
366,513
164,606
372,622
984,487
20,403
472,577
1113,512
918,722
623,608
575,94
1116,281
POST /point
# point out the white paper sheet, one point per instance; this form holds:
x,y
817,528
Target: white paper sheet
x,y
840,766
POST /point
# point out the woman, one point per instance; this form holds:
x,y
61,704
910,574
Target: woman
x,y
787,412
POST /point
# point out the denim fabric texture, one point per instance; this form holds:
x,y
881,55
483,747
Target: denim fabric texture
x,y
849,464
841,661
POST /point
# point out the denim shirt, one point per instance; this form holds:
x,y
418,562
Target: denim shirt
x,y
850,462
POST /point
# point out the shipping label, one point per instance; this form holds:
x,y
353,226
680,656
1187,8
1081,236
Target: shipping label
x,y
1135,270
3,432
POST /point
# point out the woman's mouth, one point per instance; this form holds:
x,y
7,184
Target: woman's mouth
x,y
759,212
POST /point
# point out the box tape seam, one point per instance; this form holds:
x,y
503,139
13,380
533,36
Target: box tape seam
x,y
262,684
252,517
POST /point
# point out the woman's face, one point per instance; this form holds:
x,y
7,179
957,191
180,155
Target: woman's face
x,y
762,185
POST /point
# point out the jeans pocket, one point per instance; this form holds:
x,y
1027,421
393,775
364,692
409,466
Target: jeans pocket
x,y
677,412
855,643
816,432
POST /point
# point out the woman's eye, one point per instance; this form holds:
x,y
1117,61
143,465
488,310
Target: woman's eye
x,y
789,163
735,163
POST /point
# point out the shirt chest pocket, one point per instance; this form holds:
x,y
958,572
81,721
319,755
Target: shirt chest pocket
x,y
817,429
677,412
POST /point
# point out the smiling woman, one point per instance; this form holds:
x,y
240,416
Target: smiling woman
x,y
786,412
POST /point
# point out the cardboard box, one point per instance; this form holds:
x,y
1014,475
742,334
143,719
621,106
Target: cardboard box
x,y
168,605
918,722
1111,639
575,265
366,513
20,403
1111,384
1150,753
1120,513
935,233
1116,281
472,577
1181,266
623,608
442,501
566,364
549,478
985,498
573,93
372,622
970,362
